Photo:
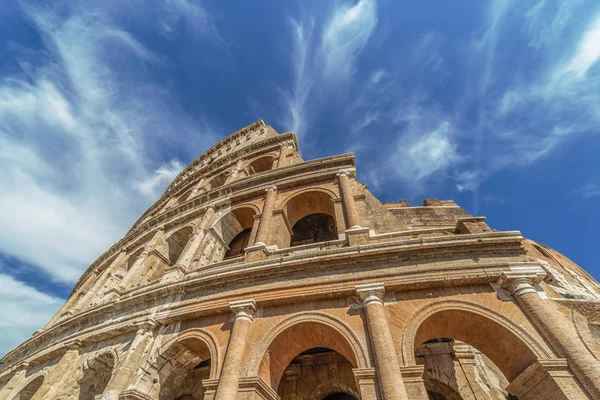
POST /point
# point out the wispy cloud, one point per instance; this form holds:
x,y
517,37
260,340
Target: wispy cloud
x,y
82,141
323,55
345,35
587,191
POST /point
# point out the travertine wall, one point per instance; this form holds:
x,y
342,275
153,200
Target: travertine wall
x,y
405,303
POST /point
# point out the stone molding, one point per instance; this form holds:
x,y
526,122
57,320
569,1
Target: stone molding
x,y
258,387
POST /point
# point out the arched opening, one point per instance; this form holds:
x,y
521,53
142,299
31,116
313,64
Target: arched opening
x,y
177,243
312,218
260,165
182,368
184,197
459,357
217,181
239,243
307,350
96,375
235,229
318,373
30,389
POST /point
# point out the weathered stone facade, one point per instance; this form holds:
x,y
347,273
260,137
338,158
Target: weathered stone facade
x,y
258,275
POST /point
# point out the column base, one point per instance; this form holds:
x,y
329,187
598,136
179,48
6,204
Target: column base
x,y
257,252
173,274
357,236
546,379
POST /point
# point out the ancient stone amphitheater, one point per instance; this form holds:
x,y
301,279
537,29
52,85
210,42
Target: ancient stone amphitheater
x,y
258,275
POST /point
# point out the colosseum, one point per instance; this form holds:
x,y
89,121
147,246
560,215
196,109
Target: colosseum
x,y
258,275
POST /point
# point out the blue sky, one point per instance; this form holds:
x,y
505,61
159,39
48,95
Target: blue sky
x,y
495,104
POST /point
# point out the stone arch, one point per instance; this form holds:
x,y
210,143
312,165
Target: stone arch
x,y
298,333
261,164
238,220
177,242
28,388
311,216
190,354
217,181
474,324
97,371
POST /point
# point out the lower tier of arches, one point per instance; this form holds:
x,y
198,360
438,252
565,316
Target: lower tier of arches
x,y
461,343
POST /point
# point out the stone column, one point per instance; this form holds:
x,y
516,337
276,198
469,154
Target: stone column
x,y
232,365
266,217
553,325
100,282
282,156
15,381
135,270
350,209
127,369
55,378
138,269
382,345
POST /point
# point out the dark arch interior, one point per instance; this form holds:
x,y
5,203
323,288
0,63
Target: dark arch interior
x,y
318,373
433,395
314,228
260,165
239,243
30,390
339,396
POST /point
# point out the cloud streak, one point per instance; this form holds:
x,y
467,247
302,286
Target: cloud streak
x,y
323,56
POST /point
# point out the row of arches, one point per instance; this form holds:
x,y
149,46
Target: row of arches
x,y
255,166
310,216
312,355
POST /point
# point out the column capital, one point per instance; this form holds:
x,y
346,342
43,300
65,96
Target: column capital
x,y
268,189
520,278
146,326
243,309
343,173
370,293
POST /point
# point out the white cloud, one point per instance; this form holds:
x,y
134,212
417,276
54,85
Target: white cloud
x,y
422,154
587,191
345,35
24,310
82,140
588,50
323,58
153,185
